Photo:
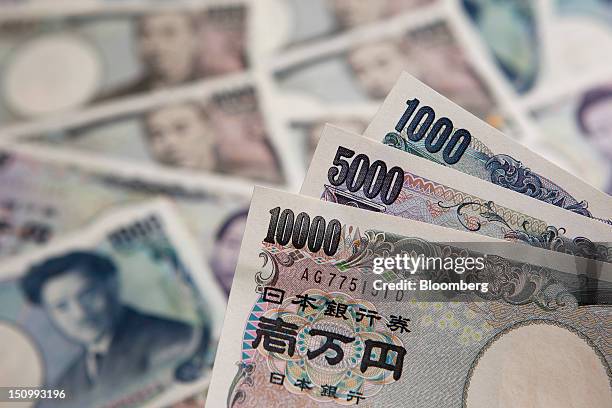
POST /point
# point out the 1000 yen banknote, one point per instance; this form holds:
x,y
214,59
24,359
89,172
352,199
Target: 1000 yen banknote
x,y
308,326
417,120
352,170
42,195
122,313
58,62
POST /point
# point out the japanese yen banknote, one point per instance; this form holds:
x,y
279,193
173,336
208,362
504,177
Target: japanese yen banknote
x,y
121,313
311,320
352,170
94,58
46,197
417,120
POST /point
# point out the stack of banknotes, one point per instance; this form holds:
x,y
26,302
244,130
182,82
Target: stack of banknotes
x,y
198,200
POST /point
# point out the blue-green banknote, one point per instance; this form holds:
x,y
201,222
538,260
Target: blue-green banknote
x,y
509,30
121,313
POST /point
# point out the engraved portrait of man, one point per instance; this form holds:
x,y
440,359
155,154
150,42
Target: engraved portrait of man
x,y
594,118
227,134
377,65
167,43
426,53
243,140
80,293
222,41
227,248
181,135
351,13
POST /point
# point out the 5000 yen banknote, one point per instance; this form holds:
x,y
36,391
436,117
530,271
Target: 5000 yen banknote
x,y
43,195
352,170
123,313
52,63
417,120
307,325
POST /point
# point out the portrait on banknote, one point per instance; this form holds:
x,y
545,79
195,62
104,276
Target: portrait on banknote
x,y
79,293
309,131
593,118
92,58
428,260
320,20
225,132
226,248
118,314
367,70
582,121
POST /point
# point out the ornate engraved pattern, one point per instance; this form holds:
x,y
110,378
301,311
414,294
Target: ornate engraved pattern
x,y
395,140
510,173
265,277
551,237
243,378
419,184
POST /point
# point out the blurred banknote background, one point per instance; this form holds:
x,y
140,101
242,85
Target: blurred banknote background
x,y
107,106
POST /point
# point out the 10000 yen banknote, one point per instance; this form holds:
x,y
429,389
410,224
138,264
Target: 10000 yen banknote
x,y
308,323
352,170
417,120
364,68
325,19
123,313
58,62
42,196
221,127
305,126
